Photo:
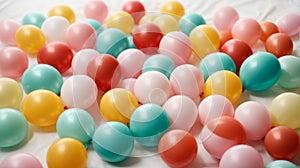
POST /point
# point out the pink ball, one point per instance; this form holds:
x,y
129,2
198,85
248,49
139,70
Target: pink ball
x,y
177,46
247,30
152,87
255,118
80,35
182,112
95,9
241,156
23,160
289,23
81,60
131,62
214,106
224,18
187,80
127,84
8,29
13,62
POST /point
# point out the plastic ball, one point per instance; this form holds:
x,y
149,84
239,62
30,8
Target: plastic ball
x,y
8,29
113,141
118,105
290,68
135,8
220,134
166,23
147,37
224,37
81,35
111,41
178,148
30,38
152,87
182,112
160,63
24,160
189,21
41,76
214,106
13,62
173,8
64,11
57,54
205,40
216,62
121,20
225,83
13,127
76,123
42,108
255,118
103,69
66,152
131,62
81,60
187,80
96,25
247,30
282,143
33,18
11,93
267,29
54,28
148,18
281,163
79,91
224,18
238,50
127,84
241,156
289,23
284,110
148,123
177,46
250,72
95,9
279,44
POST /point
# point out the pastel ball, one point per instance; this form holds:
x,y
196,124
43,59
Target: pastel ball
x,y
189,21
160,63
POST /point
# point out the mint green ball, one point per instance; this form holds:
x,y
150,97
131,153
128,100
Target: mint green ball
x,y
290,72
33,18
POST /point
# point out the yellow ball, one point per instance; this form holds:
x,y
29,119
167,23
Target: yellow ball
x,y
148,18
11,93
121,20
118,105
173,8
205,40
285,110
166,23
225,83
64,11
42,107
30,38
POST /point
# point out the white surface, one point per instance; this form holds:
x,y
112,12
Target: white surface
x,y
39,139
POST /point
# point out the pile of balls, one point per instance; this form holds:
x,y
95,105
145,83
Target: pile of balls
x,y
154,75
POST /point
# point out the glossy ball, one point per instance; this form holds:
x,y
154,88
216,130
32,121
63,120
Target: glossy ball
x,y
13,127
33,18
121,20
290,66
289,23
135,8
95,9
148,123
267,29
224,18
113,141
54,28
64,11
224,37
166,23
189,21
281,163
279,44
96,25
247,30
160,63
173,8
21,159
8,29
81,60
11,93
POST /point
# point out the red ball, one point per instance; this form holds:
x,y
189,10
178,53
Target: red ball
x,y
135,8
57,54
178,148
267,29
279,44
282,143
224,37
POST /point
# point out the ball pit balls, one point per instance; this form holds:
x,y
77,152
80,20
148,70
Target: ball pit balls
x,y
267,29
276,142
13,127
178,148
149,18
81,60
64,11
289,23
279,44
8,29
118,105
173,8
42,108
11,93
54,28
135,8
250,72
41,76
166,23
33,18
148,123
281,163
247,30
221,133
76,123
96,25
24,160
290,66
66,152
121,20
189,21
95,9
160,63
113,141
224,18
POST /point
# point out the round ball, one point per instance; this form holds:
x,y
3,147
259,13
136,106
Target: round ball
x,y
135,8
18,160
224,18
279,44
64,11
160,63
121,20
54,28
173,8
189,21
81,60
247,30
33,18
267,29
8,29
289,23
281,163
290,66
11,93
95,9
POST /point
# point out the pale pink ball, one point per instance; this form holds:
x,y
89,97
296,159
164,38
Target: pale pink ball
x,y
81,60
24,160
247,30
95,9
8,29
127,84
224,18
289,23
